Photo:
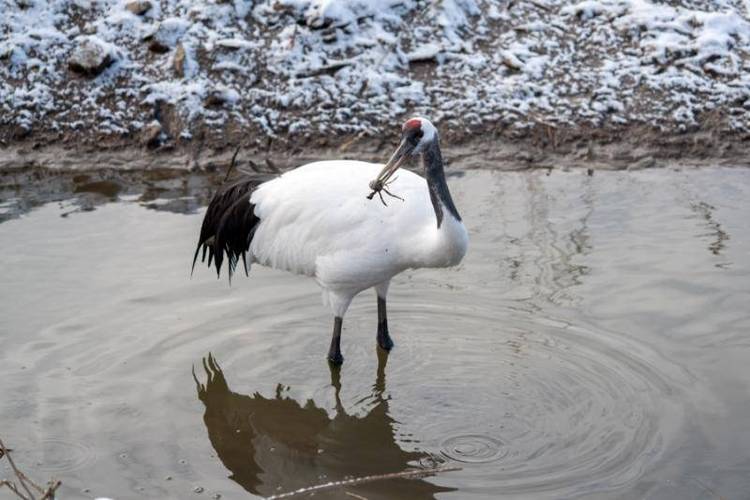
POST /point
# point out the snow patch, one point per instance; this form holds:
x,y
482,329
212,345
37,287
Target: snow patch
x,y
357,66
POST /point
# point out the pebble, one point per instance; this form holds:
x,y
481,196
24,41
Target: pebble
x,y
166,35
138,7
215,99
151,137
89,58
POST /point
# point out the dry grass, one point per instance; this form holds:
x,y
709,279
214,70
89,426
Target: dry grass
x,y
21,485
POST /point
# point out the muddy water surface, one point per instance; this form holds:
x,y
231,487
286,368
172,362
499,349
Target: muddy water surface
x,y
593,344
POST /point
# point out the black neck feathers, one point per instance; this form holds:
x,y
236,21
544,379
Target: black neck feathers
x,y
440,196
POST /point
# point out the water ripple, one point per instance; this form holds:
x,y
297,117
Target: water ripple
x,y
537,404
60,455
473,448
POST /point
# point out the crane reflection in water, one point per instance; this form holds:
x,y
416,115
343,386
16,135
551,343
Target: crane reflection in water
x,y
274,445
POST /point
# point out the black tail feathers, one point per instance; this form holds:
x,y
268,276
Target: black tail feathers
x,y
228,226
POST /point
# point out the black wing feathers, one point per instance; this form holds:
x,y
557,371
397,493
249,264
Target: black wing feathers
x,y
228,226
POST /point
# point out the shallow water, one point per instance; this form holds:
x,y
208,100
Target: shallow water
x,y
593,344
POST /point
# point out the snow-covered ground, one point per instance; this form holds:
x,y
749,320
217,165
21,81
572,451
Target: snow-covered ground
x,y
321,67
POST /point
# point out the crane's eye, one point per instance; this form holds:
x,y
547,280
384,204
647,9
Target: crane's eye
x,y
415,135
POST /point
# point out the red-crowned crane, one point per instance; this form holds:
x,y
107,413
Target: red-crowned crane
x,y
316,220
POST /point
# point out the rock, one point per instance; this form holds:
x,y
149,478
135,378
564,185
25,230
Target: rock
x,y
138,7
511,61
220,97
90,58
21,132
166,35
151,134
6,52
156,45
329,35
214,99
178,62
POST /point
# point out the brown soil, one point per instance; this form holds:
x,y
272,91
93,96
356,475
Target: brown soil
x,y
543,146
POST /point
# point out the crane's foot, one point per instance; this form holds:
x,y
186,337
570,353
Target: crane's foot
x,y
384,339
334,353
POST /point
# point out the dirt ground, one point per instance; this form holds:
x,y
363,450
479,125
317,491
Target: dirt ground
x,y
542,147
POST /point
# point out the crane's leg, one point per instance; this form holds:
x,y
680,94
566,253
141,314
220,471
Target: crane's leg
x,y
334,353
339,302
384,339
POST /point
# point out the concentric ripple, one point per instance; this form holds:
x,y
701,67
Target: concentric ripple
x,y
534,404
59,455
473,448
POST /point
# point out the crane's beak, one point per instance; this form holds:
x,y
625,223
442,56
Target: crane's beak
x,y
401,154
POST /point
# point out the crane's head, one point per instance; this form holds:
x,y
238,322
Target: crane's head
x,y
416,135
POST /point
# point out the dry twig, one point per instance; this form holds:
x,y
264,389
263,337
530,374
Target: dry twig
x,y
23,486
407,474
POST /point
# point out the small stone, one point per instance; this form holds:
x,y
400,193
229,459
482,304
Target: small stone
x,y
178,62
198,489
167,478
318,21
90,58
155,45
329,35
215,99
220,97
21,132
151,134
166,35
138,7
6,52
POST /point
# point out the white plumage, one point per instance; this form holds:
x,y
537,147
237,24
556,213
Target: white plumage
x,y
316,220
319,221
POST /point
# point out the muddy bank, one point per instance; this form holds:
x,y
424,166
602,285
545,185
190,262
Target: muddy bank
x,y
183,177
544,146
